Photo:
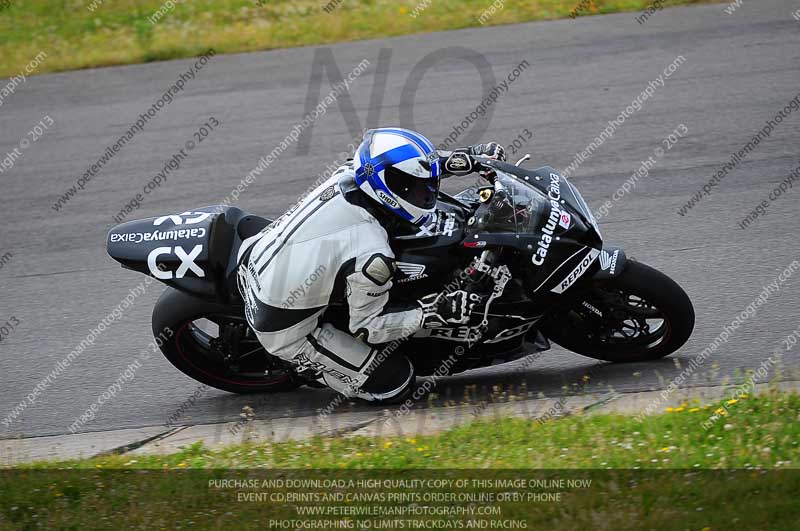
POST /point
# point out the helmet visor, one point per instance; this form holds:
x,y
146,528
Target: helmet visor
x,y
419,191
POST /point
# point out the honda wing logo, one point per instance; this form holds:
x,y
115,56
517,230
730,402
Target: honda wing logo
x,y
608,262
411,271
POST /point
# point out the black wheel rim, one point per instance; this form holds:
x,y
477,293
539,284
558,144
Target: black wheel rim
x,y
615,318
201,345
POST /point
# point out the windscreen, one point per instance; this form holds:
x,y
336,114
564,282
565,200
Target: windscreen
x,y
519,210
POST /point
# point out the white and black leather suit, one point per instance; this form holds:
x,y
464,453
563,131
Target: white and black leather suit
x,y
332,245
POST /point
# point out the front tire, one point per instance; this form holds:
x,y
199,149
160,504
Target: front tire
x,y
639,315
197,337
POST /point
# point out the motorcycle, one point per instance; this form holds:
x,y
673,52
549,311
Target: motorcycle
x,y
526,241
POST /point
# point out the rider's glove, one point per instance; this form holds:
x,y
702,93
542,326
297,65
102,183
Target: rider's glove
x,y
493,150
441,309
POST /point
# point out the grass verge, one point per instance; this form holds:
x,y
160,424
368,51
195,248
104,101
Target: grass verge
x,y
88,33
761,431
665,472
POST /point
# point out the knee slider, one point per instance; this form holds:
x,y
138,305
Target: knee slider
x,y
391,379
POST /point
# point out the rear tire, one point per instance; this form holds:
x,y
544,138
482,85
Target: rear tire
x,y
179,318
641,289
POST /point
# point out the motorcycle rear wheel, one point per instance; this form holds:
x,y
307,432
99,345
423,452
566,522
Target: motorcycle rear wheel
x,y
640,315
198,335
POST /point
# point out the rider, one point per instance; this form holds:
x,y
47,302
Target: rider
x,y
333,245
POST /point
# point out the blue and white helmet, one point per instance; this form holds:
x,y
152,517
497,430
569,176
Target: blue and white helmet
x,y
400,170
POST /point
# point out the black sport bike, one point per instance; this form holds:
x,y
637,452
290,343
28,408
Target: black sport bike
x,y
526,241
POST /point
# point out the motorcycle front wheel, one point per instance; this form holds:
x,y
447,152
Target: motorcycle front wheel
x,y
640,315
213,344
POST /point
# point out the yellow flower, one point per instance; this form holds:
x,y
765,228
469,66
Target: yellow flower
x,y
669,410
411,441
732,401
721,411
743,396
694,410
359,454
182,465
403,10
679,409
387,444
665,449
706,528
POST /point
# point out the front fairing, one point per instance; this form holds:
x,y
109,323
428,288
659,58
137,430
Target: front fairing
x,y
544,217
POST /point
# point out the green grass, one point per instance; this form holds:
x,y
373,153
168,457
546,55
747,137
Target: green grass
x,y
119,32
740,474
762,431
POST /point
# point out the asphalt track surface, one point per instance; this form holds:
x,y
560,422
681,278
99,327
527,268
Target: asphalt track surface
x,y
740,70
